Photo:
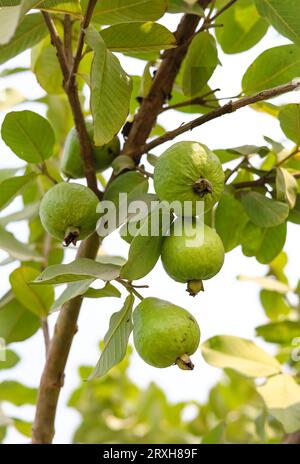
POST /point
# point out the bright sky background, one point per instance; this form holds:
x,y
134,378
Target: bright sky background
x,y
227,306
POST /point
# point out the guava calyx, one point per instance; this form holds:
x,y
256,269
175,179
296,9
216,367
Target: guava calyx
x,y
202,187
71,236
194,287
184,363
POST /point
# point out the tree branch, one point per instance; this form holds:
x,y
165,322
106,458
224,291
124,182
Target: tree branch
x,y
66,325
162,86
78,55
53,374
230,107
72,93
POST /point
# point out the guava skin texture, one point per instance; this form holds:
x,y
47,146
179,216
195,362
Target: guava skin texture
x,y
185,263
164,333
69,208
72,163
189,171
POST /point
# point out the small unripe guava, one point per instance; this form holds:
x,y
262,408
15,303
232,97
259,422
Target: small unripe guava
x,y
68,212
72,162
189,171
165,334
196,254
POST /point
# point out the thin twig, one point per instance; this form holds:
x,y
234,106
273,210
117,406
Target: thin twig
x,y
68,39
45,329
291,155
194,101
259,182
222,10
230,107
78,55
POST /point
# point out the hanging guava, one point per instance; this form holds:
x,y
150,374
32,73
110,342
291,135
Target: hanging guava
x,y
165,334
72,162
68,212
189,171
193,252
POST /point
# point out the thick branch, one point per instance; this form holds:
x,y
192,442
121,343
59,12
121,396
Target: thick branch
x,y
53,374
230,107
162,86
66,325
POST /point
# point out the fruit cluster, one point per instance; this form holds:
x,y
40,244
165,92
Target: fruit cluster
x,y
164,334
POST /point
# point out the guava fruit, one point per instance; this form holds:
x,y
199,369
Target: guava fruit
x,y
165,334
68,212
193,255
189,171
72,163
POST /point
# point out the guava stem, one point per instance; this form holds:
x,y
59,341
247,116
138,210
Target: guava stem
x,y
71,236
185,363
202,187
194,287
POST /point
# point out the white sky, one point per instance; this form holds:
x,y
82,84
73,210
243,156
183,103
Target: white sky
x,y
226,307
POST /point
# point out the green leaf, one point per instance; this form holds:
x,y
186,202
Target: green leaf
x,y
28,212
116,339
273,67
11,16
200,63
107,291
214,436
119,11
17,393
73,290
17,323
265,244
286,187
282,332
185,6
28,135
31,31
145,247
12,187
230,220
242,355
281,395
263,211
11,359
35,299
121,163
82,288
138,37
289,118
9,98
17,249
274,305
242,27
23,427
268,283
110,90
295,213
80,269
48,72
284,16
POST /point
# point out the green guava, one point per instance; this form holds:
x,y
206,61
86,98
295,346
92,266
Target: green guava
x,y
165,334
193,255
72,163
189,171
68,212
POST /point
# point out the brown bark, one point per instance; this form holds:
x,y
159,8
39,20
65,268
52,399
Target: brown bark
x,y
162,86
